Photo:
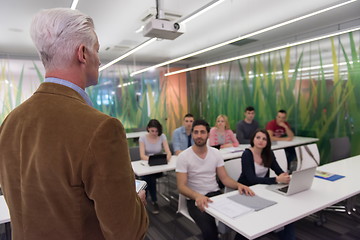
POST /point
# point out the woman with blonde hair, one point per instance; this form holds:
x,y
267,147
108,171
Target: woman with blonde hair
x,y
221,134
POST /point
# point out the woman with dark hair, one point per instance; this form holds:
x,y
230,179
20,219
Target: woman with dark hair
x,y
153,143
256,162
258,159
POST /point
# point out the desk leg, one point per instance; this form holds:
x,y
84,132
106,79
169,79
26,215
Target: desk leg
x,y
5,231
166,193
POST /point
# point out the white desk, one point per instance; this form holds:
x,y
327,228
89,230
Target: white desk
x,y
142,167
232,152
4,211
135,134
288,209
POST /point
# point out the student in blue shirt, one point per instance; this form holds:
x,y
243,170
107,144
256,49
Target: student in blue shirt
x,y
181,138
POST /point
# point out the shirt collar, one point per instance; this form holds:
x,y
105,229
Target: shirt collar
x,y
72,86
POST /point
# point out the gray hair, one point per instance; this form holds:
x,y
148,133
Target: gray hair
x,y
57,33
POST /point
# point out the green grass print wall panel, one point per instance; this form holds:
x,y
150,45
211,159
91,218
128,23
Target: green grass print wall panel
x,y
318,84
321,101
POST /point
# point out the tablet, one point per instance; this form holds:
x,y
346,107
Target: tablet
x,y
140,185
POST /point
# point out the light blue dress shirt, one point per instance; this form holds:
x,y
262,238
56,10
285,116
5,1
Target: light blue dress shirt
x,y
72,86
180,139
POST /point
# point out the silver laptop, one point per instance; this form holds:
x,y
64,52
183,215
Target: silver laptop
x,y
300,181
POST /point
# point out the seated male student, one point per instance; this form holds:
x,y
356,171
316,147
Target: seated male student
x,y
246,128
181,138
279,130
196,171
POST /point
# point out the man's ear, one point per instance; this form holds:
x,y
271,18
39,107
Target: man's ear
x,y
81,53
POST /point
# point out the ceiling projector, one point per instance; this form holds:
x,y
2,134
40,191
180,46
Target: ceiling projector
x,y
161,28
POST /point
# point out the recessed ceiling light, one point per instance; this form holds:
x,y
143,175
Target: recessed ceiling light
x,y
262,51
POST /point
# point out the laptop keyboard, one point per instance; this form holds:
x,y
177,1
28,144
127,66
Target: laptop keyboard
x,y
284,189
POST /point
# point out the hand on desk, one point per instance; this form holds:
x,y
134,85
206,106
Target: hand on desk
x,y
142,196
202,202
283,178
245,189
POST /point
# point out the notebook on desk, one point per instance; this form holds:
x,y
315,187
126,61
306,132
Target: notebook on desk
x,y
157,159
300,181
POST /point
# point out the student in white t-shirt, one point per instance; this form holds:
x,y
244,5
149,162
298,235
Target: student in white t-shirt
x,y
196,171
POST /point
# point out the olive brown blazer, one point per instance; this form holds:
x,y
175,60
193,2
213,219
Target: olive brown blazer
x,y
65,171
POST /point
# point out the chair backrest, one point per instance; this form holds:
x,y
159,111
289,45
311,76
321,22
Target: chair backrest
x,y
340,148
280,156
182,207
233,169
134,153
307,156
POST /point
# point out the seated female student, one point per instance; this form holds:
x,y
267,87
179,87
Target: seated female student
x,y
152,143
221,134
256,162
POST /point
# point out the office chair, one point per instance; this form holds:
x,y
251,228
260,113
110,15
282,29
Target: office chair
x,y
280,156
307,156
134,153
340,148
233,169
182,208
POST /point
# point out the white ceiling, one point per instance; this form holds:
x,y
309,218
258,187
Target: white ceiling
x,y
116,22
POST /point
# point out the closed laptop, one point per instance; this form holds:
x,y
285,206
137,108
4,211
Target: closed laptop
x,y
157,159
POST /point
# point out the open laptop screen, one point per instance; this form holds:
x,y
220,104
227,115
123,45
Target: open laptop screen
x,y
157,159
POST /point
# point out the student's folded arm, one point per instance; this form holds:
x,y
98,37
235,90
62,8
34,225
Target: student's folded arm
x,y
235,142
289,133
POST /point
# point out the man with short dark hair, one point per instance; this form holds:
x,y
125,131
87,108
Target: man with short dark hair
x,y
279,129
181,138
196,171
245,128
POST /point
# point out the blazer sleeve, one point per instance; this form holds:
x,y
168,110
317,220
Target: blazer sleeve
x,y
248,170
109,181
